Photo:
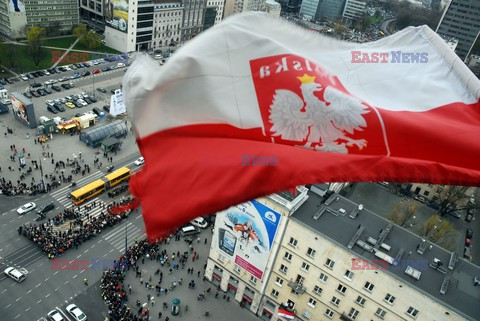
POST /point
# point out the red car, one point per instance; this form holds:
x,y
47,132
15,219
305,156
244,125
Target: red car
x,y
96,71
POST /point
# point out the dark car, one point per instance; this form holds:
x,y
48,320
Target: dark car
x,y
52,110
85,73
35,74
77,104
469,216
10,81
47,90
62,69
3,82
88,100
28,95
58,70
44,208
469,233
113,91
105,69
96,111
41,92
106,108
93,99
52,71
56,88
34,94
66,86
58,107
101,90
36,85
41,73
78,115
30,76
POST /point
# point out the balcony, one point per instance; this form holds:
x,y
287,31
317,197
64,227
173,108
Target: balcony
x,y
345,317
297,287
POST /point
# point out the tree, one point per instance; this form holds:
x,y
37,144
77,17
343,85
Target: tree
x,y
35,37
455,198
444,229
92,40
340,28
12,55
80,31
429,225
402,213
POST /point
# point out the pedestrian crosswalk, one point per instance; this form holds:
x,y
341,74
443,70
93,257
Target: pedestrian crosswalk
x,y
127,231
61,194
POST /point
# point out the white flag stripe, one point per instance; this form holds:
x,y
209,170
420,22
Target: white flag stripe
x,y
214,69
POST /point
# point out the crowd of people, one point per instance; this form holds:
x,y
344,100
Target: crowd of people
x,y
81,228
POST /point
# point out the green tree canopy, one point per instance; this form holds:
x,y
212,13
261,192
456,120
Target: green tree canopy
x,y
35,36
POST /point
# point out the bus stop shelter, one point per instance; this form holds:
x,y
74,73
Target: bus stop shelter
x,y
110,144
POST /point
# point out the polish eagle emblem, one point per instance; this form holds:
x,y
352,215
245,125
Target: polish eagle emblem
x,y
324,124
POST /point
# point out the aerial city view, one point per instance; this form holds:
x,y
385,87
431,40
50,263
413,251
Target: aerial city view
x,y
239,160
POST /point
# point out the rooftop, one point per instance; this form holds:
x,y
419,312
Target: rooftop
x,y
340,220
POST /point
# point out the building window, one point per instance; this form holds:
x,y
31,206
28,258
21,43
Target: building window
x,y
293,242
329,313
288,256
323,277
236,268
275,293
279,281
342,289
318,290
360,300
390,298
380,313
368,286
283,268
349,275
312,302
412,312
329,263
335,300
305,267
311,252
353,313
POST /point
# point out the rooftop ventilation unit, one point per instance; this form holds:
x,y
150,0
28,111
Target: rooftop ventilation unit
x,y
356,211
383,235
320,212
416,274
364,246
384,246
453,260
384,257
342,211
445,283
356,236
399,256
330,199
422,247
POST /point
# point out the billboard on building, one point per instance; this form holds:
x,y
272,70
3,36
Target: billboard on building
x,y
16,6
23,110
116,14
244,234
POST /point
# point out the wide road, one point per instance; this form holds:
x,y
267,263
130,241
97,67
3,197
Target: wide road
x,y
46,288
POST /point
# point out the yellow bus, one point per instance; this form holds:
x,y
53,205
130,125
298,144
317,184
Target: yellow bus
x,y
117,177
88,191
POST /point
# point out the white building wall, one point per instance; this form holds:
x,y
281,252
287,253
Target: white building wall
x,y
167,24
123,41
219,4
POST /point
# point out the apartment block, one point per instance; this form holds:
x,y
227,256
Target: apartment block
x,y
322,9
460,20
193,18
167,25
63,14
12,19
354,9
93,9
218,5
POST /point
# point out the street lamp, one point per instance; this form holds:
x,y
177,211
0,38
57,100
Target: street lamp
x,y
41,173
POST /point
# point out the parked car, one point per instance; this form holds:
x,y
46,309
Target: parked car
x,y
28,95
101,90
47,90
26,208
75,76
66,86
41,92
71,84
59,107
455,214
420,199
105,69
23,77
96,111
82,102
199,222
34,94
69,105
96,71
56,88
30,76
467,252
88,100
36,85
85,73
55,315
52,110
106,108
470,214
76,313
10,80
93,99
120,65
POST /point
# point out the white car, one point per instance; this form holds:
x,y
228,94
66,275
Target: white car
x,y
63,79
46,72
15,274
26,208
199,222
55,315
23,77
139,161
67,68
76,313
83,102
120,65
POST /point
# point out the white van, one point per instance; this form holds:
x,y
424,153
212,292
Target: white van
x,y
199,222
189,230
15,274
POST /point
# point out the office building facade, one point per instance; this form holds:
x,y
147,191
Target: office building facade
x,y
193,18
354,10
322,9
461,21
167,26
92,10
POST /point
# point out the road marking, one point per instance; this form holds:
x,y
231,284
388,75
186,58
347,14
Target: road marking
x,y
79,256
39,301
92,246
17,316
38,285
7,306
82,271
46,279
47,295
66,282
4,291
75,276
85,251
26,310
18,299
138,217
56,289
29,291
55,273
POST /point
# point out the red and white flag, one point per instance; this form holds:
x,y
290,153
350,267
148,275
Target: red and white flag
x,y
285,314
257,105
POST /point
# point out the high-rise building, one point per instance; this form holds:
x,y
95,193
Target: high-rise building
x,y
290,6
129,28
354,9
213,13
193,18
272,7
332,259
322,9
167,25
12,19
461,21
92,10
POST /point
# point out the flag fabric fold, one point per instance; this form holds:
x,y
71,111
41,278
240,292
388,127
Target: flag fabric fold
x,y
256,105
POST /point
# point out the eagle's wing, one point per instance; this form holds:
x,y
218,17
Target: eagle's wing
x,y
287,119
345,111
